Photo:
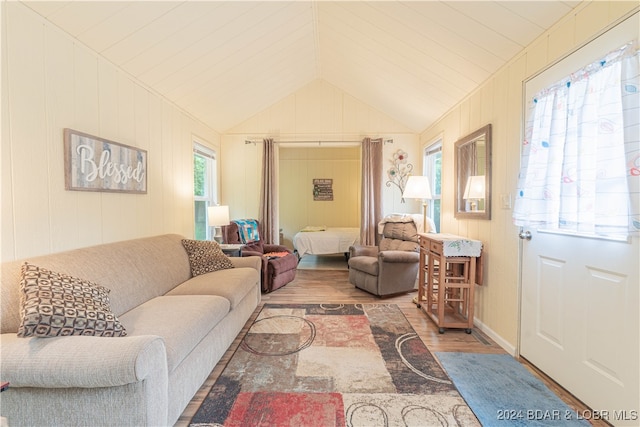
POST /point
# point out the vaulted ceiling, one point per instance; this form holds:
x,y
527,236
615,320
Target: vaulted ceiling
x,y
225,61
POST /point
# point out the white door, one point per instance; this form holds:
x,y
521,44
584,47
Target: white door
x,y
580,305
580,317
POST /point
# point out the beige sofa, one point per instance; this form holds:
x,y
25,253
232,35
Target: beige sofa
x,y
178,327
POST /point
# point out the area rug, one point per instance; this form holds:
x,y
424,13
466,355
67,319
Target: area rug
x,y
333,365
501,391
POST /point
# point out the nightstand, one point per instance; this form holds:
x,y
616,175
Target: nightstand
x,y
232,249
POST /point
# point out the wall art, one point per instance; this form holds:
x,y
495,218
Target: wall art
x,y
97,164
323,189
399,172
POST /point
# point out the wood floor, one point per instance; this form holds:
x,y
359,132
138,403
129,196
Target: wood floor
x,y
332,286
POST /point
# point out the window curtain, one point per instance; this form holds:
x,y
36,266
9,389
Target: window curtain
x,y
371,199
580,167
268,215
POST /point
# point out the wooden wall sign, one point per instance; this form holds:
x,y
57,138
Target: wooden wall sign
x,y
323,189
97,164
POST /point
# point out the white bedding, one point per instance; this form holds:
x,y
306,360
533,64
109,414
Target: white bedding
x,y
330,241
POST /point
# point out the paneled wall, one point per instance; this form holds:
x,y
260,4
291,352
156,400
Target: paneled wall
x,y
50,81
316,112
499,101
298,168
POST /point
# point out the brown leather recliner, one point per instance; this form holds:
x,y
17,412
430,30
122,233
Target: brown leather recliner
x,y
392,266
277,271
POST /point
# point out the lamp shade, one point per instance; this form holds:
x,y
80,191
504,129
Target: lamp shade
x,y
218,215
475,187
417,188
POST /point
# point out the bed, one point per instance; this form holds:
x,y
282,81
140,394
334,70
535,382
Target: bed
x,y
325,240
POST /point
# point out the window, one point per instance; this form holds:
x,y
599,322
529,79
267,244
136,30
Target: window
x,y
205,190
578,173
432,162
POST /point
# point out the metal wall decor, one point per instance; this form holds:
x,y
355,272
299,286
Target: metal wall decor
x,y
399,172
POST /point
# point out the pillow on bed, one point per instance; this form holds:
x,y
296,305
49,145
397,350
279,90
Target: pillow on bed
x,y
312,228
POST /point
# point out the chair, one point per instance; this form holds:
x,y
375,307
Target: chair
x,y
279,264
392,266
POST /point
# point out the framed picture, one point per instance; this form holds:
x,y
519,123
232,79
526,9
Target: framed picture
x,y
97,164
323,190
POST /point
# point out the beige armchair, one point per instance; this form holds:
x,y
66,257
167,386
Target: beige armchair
x,y
392,266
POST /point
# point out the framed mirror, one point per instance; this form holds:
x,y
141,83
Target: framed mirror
x,y
473,175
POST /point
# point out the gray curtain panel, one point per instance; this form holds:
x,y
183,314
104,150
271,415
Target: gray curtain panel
x,y
268,215
371,209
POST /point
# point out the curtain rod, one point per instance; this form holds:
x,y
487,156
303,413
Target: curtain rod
x,y
386,141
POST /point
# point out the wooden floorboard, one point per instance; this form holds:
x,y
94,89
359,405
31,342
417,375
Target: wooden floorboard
x,y
333,287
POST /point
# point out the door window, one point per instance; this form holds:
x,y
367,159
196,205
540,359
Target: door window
x,y
580,157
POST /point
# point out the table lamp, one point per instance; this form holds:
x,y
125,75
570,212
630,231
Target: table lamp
x,y
217,217
418,188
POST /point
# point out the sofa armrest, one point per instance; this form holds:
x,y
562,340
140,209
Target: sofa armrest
x,y
251,261
399,256
363,250
80,361
248,253
276,248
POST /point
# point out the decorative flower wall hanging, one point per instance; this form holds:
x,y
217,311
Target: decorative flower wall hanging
x,y
399,171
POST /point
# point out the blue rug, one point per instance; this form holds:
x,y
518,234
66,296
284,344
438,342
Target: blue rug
x,y
501,391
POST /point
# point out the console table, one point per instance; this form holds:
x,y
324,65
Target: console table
x,y
449,267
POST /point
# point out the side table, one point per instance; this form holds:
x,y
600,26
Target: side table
x,y
447,279
232,249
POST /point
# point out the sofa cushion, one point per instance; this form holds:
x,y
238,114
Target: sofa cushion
x,y
401,231
54,304
232,284
205,256
366,264
182,322
398,245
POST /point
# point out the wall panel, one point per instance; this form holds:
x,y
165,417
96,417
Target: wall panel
x,y
155,167
7,237
59,106
54,82
27,123
298,168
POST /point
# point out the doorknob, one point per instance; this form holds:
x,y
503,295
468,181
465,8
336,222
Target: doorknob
x,y
525,235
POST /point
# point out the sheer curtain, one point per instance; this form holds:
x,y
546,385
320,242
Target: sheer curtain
x,y
268,215
371,209
580,166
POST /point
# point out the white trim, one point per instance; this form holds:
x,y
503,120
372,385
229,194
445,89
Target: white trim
x,y
507,346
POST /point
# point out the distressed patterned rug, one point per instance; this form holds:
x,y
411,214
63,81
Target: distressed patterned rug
x,y
333,365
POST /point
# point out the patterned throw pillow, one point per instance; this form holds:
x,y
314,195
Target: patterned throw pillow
x,y
205,256
54,304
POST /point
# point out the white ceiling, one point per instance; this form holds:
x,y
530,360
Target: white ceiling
x,y
225,61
